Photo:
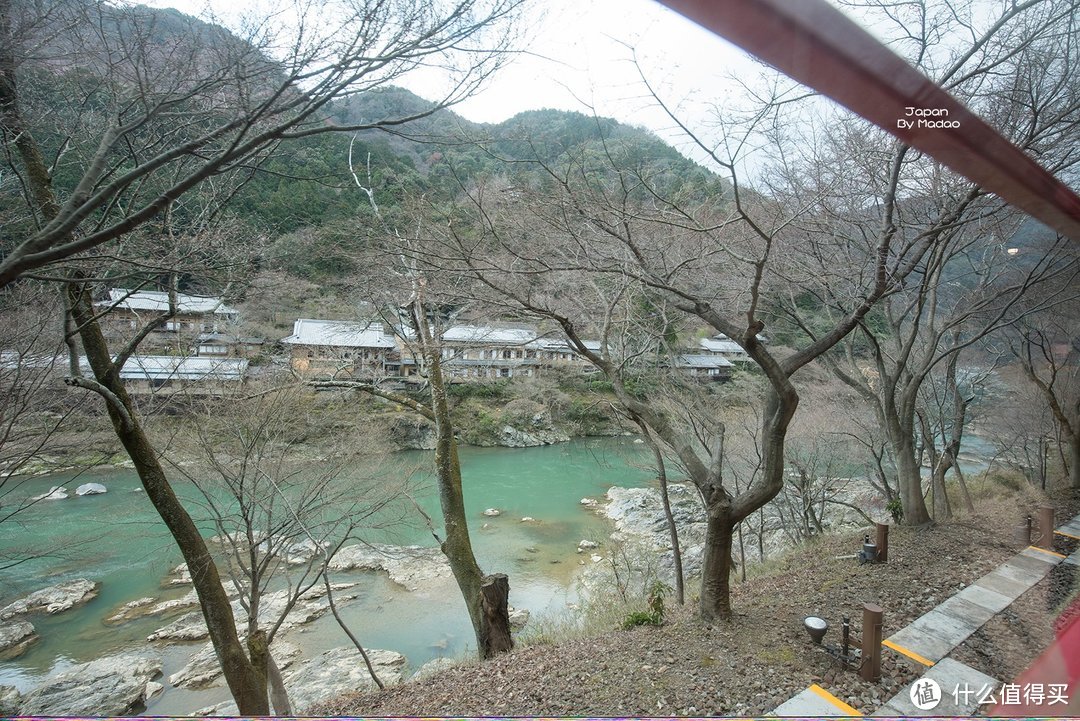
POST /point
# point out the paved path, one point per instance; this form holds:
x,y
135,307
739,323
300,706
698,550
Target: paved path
x,y
929,639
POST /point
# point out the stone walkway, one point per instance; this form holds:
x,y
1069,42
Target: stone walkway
x,y
929,640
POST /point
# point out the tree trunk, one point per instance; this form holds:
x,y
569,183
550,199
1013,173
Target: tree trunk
x,y
673,531
742,555
716,566
964,492
246,683
942,507
761,536
458,546
494,595
1074,460
279,697
908,473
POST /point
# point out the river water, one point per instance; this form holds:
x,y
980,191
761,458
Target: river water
x,y
117,539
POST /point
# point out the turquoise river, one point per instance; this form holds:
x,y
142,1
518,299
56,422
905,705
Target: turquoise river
x,y
117,539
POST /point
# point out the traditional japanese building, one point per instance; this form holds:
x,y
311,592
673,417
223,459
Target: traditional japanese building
x,y
127,312
339,347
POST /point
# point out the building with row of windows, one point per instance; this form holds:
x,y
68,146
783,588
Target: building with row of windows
x,y
468,352
199,343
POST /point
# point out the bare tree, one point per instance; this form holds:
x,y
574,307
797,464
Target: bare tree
x,y
35,413
1044,345
818,483
738,261
420,323
173,116
280,515
925,327
628,242
1014,65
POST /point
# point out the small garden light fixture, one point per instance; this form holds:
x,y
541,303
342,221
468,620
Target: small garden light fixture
x,y
816,627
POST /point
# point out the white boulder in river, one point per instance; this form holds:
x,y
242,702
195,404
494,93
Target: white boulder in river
x,y
338,671
110,686
56,493
90,489
15,637
328,675
412,567
53,599
10,698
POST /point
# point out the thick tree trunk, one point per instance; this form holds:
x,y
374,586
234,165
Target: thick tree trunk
x,y
908,471
716,566
246,683
494,606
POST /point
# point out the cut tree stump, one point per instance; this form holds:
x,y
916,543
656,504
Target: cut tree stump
x,y
494,595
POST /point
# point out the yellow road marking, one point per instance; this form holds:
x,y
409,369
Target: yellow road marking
x,y
910,654
1069,535
850,711
1052,553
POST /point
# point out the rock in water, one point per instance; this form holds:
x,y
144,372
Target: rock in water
x,y
53,599
638,514
110,686
90,489
413,567
203,669
56,493
131,609
518,617
15,638
492,512
10,698
179,576
189,627
335,672
514,438
338,671
434,667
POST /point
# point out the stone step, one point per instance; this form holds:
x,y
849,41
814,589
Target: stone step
x,y
957,692
814,702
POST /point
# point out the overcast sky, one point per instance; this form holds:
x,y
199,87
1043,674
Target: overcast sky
x,y
579,56
586,58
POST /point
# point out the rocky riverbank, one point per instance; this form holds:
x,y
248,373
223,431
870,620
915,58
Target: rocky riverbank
x,y
17,633
124,683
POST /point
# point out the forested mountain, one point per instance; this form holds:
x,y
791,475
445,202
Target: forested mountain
x,y
309,183
305,183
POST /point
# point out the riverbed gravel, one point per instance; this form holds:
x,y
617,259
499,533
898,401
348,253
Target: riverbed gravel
x,y
745,666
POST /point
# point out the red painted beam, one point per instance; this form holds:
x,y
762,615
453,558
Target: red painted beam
x,y
815,44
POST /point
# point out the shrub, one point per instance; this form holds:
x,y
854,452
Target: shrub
x,y
655,602
493,389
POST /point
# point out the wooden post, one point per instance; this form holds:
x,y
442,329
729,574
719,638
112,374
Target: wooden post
x,y
882,542
1022,533
870,669
1046,527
